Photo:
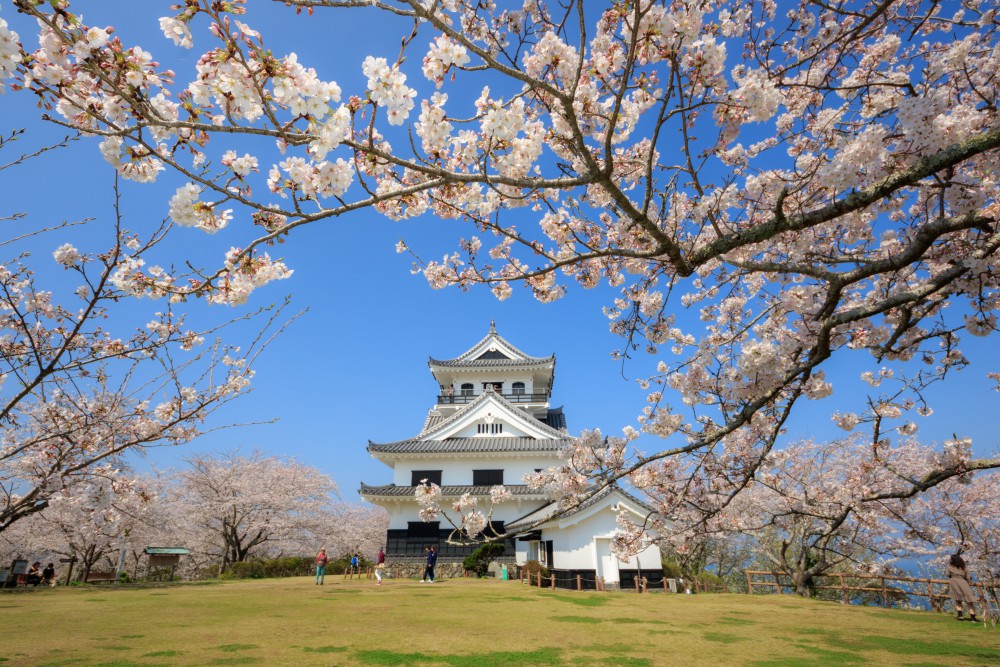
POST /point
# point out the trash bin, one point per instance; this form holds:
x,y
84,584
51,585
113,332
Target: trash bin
x,y
503,572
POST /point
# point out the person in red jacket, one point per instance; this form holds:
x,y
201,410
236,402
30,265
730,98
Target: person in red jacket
x,y
321,561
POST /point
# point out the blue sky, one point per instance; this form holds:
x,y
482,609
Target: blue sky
x,y
353,367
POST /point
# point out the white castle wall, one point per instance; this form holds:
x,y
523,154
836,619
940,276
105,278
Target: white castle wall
x,y
458,471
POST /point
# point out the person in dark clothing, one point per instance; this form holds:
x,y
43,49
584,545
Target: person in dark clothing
x,y
49,575
429,570
35,573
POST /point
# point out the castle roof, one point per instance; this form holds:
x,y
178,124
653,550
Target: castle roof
x,y
492,352
401,492
469,445
544,514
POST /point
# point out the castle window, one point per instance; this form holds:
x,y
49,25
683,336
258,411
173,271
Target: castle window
x,y
467,389
487,477
432,477
421,529
517,389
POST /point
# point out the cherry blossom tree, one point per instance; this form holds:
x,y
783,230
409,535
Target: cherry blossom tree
x,y
91,526
814,508
231,507
960,516
810,183
351,529
78,393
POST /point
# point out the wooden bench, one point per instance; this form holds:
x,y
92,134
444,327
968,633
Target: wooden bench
x,y
95,577
22,580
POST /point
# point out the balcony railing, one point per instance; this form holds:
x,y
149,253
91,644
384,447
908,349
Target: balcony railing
x,y
460,399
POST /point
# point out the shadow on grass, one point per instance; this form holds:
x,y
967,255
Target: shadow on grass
x,y
926,649
617,657
616,661
113,663
820,657
540,657
647,621
324,649
589,601
736,621
233,648
576,619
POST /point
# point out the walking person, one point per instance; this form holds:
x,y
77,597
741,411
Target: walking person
x,y
379,565
958,583
355,565
432,557
321,561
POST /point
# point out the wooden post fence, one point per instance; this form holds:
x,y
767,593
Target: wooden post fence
x,y
579,587
552,579
880,588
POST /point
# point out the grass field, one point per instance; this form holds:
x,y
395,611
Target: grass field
x,y
463,622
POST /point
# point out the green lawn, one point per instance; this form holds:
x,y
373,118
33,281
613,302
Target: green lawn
x,y
463,622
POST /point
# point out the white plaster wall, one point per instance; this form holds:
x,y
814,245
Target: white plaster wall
x,y
458,471
477,380
574,549
573,546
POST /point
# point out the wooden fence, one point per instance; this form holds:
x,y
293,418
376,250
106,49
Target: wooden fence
x,y
639,583
858,588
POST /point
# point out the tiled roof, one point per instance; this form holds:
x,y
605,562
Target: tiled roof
x,y
542,515
555,418
492,363
432,421
442,424
393,491
465,445
472,356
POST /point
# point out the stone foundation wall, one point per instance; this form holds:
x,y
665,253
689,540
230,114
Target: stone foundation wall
x,y
415,570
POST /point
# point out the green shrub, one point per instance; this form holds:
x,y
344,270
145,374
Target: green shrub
x,y
479,560
259,568
533,567
671,569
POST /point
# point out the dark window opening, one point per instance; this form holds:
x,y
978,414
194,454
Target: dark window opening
x,y
420,529
467,389
432,477
487,477
517,389
489,428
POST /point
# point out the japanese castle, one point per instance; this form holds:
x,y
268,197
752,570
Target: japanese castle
x,y
492,423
